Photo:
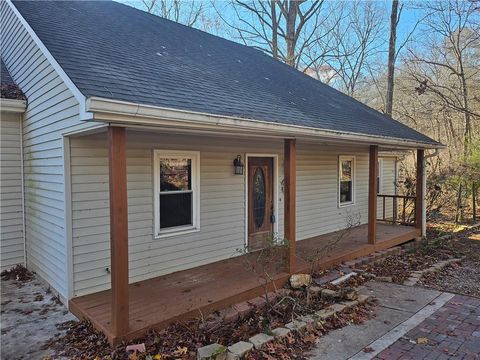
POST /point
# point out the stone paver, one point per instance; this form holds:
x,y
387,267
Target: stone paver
x,y
260,340
238,350
452,332
212,352
280,332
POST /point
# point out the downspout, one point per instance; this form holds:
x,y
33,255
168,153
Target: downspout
x,y
22,175
424,186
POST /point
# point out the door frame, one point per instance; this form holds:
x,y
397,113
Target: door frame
x,y
275,190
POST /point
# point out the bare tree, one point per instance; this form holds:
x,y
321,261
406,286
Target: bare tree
x,y
355,42
446,66
185,12
394,19
284,29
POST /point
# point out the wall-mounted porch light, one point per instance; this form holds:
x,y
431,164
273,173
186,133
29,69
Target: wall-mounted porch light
x,y
238,165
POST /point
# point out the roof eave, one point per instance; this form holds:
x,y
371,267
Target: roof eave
x,y
122,112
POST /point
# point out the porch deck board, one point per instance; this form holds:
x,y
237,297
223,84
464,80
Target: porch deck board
x,y
185,294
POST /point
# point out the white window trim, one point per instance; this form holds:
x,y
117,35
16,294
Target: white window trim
x,y
339,176
178,230
380,176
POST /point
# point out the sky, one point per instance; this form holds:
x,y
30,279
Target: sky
x,y
407,21
409,18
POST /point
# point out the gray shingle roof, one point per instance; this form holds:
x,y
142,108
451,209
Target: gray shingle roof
x,y
114,51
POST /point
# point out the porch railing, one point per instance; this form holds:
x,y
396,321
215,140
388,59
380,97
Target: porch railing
x,y
402,210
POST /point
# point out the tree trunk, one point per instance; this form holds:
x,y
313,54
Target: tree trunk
x,y
273,11
467,139
391,58
292,14
474,202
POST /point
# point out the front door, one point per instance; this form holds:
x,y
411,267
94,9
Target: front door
x,y
260,201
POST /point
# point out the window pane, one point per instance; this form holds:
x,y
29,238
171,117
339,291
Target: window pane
x,y
175,210
259,197
345,191
346,173
175,174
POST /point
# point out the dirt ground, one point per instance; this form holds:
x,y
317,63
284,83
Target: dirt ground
x,y
463,277
30,316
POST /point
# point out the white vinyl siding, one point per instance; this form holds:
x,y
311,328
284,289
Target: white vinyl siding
x,y
52,110
222,206
317,189
11,227
222,202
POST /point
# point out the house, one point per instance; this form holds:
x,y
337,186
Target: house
x,y
133,210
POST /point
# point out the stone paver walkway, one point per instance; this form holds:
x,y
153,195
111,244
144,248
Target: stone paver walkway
x,y
400,309
410,323
452,332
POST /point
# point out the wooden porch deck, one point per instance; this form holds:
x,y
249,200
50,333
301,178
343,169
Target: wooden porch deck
x,y
156,302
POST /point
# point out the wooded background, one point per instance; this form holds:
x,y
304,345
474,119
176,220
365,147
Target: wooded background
x,y
417,61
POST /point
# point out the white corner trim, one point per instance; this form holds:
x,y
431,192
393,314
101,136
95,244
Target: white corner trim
x,y
22,174
12,105
108,110
68,215
71,86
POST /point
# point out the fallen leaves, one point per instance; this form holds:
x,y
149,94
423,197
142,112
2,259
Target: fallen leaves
x,y
296,345
17,273
422,257
422,341
180,351
368,349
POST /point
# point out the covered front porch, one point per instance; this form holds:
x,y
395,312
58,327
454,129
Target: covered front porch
x,y
129,310
196,292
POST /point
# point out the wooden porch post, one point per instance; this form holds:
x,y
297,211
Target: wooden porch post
x,y
290,178
419,190
372,194
118,229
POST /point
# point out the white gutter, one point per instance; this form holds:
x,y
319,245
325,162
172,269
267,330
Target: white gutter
x,y
435,153
13,105
22,181
127,113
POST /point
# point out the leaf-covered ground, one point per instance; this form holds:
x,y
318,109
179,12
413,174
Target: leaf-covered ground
x,y
181,339
425,255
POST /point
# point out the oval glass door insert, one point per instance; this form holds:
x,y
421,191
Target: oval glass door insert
x,y
259,197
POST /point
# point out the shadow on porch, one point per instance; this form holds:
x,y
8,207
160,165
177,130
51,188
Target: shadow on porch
x,y
154,303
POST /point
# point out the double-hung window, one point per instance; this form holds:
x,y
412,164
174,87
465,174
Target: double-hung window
x,y
176,191
346,180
